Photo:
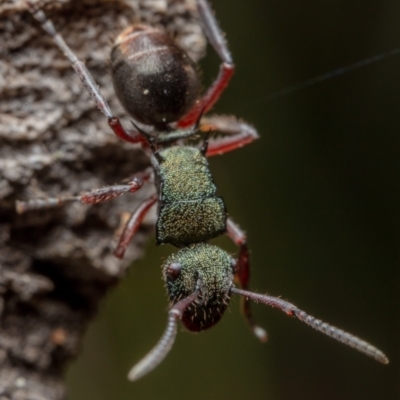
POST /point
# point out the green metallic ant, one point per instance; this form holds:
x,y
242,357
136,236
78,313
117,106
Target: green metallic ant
x,y
163,94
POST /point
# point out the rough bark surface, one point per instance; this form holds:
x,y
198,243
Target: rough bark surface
x,y
56,265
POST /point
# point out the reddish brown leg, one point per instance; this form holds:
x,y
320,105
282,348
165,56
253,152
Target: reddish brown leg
x,y
93,197
242,275
132,226
216,38
238,133
210,97
110,192
126,135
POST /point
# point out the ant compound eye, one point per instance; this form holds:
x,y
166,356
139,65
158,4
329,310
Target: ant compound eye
x,y
173,271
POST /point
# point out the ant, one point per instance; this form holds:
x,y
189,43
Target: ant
x,y
158,85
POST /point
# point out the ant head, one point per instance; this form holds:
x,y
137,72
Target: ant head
x,y
199,282
206,268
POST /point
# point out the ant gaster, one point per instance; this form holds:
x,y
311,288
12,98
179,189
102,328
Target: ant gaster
x,y
157,84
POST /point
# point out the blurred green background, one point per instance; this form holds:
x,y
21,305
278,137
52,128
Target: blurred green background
x,y
319,197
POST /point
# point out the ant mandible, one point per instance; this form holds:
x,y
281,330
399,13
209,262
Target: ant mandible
x,y
157,84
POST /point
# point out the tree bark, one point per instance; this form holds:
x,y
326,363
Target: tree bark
x,y
56,265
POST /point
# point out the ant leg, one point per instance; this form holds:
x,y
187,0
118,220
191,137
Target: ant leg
x,y
239,134
92,197
242,274
132,226
86,78
216,38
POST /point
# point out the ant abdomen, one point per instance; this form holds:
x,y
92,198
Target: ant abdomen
x,y
154,79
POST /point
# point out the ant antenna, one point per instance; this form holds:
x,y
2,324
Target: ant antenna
x,y
164,345
317,324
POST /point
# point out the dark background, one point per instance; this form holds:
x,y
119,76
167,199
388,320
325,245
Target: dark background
x,y
319,198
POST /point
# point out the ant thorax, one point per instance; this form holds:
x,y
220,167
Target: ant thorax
x,y
189,209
